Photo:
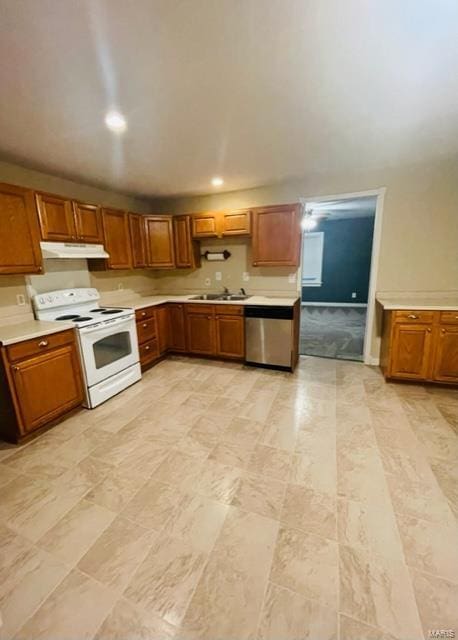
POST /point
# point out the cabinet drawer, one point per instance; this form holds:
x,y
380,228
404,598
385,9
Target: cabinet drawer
x,y
144,314
449,317
228,310
146,330
39,345
204,309
148,352
413,316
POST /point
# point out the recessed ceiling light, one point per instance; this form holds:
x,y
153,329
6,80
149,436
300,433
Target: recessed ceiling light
x,y
217,182
116,122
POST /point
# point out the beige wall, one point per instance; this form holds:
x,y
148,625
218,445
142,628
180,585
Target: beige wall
x,y
419,236
11,286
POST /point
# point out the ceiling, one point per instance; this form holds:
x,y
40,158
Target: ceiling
x,y
256,91
363,207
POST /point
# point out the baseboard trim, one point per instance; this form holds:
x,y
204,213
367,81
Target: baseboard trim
x,y
373,362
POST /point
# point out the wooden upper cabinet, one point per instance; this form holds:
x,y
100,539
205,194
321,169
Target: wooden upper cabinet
x,y
57,221
159,242
88,222
236,223
117,239
411,351
19,231
187,250
138,240
445,367
276,236
205,225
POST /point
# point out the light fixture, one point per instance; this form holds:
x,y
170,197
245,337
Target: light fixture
x,y
217,181
308,222
116,122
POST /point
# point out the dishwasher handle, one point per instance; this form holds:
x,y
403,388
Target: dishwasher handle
x,y
274,313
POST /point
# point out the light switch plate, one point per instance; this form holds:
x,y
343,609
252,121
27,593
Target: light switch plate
x,y
245,276
207,282
353,295
20,300
218,275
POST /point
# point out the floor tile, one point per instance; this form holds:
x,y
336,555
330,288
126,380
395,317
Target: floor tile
x,y
270,462
310,510
351,629
74,610
128,622
166,579
308,565
117,553
218,481
231,454
259,494
436,601
228,598
153,504
289,616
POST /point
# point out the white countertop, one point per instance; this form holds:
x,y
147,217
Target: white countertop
x,y
418,303
150,301
12,333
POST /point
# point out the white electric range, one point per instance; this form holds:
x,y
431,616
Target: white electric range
x,y
107,339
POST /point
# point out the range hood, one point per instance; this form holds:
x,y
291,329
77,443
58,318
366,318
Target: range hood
x,y
72,250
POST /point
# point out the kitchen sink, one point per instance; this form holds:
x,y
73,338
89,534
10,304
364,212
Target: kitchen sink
x,y
220,296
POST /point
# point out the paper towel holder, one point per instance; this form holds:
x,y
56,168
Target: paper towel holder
x,y
216,256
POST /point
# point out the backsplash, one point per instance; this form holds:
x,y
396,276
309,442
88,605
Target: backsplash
x,y
262,281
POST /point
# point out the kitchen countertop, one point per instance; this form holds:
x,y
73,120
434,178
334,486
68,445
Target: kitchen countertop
x,y
12,333
151,301
418,303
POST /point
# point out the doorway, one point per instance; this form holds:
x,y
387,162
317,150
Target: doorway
x,y
337,253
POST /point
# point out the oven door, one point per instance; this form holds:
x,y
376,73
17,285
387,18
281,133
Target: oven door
x,y
108,348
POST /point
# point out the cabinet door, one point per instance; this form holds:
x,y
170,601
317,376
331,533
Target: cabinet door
x,y
445,367
57,222
88,220
163,328
137,236
187,252
159,242
410,351
19,231
276,236
117,239
201,333
47,386
177,327
230,336
236,223
205,225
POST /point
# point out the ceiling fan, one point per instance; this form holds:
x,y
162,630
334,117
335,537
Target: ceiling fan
x,y
311,219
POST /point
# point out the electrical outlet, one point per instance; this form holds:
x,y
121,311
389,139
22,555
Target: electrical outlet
x,y
20,300
353,294
120,286
292,278
245,276
207,282
218,275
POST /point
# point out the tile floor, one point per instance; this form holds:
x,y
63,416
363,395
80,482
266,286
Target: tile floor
x,y
210,501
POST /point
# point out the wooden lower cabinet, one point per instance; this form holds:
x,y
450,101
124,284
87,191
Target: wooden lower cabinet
x,y
420,346
177,327
230,336
201,330
41,382
163,329
445,367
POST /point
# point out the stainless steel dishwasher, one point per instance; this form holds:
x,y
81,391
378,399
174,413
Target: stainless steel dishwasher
x,y
269,336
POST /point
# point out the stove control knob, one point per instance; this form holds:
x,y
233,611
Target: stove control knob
x,y
41,300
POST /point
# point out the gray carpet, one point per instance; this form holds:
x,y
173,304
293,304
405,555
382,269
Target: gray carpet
x,y
333,332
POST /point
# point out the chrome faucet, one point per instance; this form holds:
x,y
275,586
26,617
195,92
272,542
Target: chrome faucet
x,y
242,291
226,291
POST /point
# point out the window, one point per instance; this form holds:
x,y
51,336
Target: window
x,y
312,258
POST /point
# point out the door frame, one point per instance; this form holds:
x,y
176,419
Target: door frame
x,y
370,332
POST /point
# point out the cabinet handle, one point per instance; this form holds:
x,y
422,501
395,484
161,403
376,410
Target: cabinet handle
x,y
429,330
16,369
147,348
144,325
143,314
209,317
43,343
412,316
443,330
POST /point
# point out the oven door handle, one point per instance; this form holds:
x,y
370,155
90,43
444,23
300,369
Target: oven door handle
x,y
110,324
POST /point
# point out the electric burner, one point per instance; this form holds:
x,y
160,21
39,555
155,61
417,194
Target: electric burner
x,y
97,310
82,319
106,312
68,317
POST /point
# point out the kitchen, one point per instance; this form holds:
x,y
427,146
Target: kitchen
x,y
170,466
